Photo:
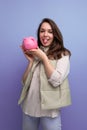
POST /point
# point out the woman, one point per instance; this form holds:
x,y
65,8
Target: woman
x,y
45,81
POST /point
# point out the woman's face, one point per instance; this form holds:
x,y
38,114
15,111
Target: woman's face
x,y
46,34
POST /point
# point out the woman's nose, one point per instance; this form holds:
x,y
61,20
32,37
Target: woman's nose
x,y
45,33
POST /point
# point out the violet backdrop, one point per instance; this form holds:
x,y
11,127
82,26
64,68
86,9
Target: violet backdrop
x,y
20,18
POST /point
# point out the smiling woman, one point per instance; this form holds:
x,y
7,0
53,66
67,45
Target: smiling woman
x,y
45,80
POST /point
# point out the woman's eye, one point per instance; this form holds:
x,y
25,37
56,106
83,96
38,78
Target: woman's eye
x,y
50,32
42,31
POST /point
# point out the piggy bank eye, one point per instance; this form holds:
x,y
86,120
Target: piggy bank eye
x,y
32,39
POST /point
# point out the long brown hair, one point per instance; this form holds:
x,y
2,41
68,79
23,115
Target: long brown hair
x,y
57,49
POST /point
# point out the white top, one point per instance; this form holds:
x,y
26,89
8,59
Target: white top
x,y
31,104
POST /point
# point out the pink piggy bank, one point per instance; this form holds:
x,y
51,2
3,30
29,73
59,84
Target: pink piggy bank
x,y
29,43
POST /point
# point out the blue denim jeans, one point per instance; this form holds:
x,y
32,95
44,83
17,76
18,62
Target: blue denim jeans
x,y
46,123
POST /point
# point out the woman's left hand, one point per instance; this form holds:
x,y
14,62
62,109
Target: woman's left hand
x,y
37,53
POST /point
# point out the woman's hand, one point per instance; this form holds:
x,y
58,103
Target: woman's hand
x,y
27,55
41,55
38,53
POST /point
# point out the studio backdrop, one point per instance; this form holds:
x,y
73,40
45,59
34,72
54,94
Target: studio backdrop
x,y
20,18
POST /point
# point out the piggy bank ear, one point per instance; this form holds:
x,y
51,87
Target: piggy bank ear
x,y
34,40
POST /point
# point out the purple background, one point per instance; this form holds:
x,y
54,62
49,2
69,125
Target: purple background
x,y
20,18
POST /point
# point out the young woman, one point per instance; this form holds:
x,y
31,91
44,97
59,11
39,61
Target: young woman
x,y
46,88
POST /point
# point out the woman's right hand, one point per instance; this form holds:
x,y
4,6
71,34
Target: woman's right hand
x,y
28,56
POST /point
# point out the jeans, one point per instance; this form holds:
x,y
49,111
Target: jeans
x,y
47,123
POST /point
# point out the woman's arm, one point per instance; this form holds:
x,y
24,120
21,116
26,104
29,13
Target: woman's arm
x,y
30,59
61,72
42,56
49,69
55,76
26,72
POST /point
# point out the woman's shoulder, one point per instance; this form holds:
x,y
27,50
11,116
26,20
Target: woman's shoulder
x,y
64,57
